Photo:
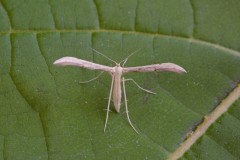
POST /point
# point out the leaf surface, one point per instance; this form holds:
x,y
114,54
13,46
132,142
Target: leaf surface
x,y
45,113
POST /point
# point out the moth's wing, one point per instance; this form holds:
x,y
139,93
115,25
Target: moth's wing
x,y
163,67
72,61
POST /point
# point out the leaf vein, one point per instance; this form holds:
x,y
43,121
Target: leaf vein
x,y
9,19
193,17
209,120
26,100
51,10
98,13
190,40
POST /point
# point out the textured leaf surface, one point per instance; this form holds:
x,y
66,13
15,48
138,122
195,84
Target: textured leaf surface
x,y
46,114
221,138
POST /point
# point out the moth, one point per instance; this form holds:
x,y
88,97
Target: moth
x,y
118,81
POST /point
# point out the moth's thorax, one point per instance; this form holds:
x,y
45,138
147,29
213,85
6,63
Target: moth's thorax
x,y
118,70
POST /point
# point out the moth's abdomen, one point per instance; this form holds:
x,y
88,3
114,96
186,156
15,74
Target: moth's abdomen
x,y
117,94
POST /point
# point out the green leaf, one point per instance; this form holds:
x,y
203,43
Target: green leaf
x,y
221,138
45,113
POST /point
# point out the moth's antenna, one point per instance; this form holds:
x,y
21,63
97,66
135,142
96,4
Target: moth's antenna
x,y
104,56
126,59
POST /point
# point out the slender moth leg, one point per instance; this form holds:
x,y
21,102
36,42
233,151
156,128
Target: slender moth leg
x,y
125,99
139,86
93,78
109,100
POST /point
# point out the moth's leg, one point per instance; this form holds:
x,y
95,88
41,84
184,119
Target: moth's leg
x,y
92,78
125,99
139,86
109,101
